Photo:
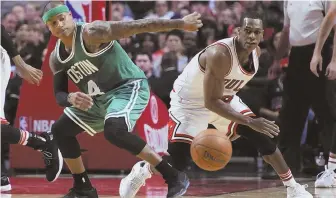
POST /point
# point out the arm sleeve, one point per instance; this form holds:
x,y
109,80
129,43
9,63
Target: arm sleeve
x,y
7,43
61,89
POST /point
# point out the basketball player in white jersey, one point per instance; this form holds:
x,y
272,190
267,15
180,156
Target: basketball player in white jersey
x,y
52,157
205,93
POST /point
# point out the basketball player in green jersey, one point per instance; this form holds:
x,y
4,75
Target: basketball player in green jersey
x,y
113,90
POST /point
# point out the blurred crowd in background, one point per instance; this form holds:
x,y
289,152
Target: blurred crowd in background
x,y
163,56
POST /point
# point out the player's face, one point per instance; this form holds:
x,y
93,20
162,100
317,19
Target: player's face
x,y
251,33
61,25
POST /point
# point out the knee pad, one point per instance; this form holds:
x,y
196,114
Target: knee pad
x,y
264,144
267,148
116,132
64,134
180,156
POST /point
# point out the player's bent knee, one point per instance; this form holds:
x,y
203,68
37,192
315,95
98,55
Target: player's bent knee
x,y
116,132
268,148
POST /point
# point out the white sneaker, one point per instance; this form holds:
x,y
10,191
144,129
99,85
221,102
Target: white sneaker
x,y
298,191
130,185
326,179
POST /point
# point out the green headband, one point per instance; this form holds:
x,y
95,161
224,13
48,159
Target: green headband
x,y
54,11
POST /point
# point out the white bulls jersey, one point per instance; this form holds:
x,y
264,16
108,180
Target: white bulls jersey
x,y
5,71
187,96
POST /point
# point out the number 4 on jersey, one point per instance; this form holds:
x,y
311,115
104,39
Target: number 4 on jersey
x,y
93,89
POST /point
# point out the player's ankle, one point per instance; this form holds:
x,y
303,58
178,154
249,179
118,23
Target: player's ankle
x,y
82,181
35,141
332,162
167,171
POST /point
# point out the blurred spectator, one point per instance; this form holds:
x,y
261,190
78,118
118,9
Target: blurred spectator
x,y
169,74
190,44
144,61
19,11
208,33
31,11
148,42
9,20
119,9
201,7
161,10
225,18
173,44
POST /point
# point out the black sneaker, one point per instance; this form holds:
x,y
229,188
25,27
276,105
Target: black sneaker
x,y
79,193
5,184
52,157
179,186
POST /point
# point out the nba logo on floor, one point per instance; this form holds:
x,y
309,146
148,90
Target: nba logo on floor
x,y
24,123
81,10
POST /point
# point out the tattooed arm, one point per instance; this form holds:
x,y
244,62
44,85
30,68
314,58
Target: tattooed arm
x,y
106,31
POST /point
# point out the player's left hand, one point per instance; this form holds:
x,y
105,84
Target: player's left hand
x,y
192,22
80,100
331,71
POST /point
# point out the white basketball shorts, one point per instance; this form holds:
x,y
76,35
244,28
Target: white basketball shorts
x,y
5,71
185,122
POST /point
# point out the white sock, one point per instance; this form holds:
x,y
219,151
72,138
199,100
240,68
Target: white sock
x,y
332,163
287,179
290,183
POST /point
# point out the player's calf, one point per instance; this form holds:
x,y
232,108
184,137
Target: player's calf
x,y
41,142
116,131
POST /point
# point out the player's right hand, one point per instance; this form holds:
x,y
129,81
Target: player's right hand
x,y
264,126
80,100
192,22
30,74
316,63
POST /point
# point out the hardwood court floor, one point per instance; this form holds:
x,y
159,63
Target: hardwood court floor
x,y
251,187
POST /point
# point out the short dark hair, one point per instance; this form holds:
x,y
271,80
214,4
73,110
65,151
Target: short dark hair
x,y
250,15
177,33
143,53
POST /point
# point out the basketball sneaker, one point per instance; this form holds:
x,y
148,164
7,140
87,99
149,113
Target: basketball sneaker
x,y
179,186
131,184
326,179
5,184
82,193
52,157
298,191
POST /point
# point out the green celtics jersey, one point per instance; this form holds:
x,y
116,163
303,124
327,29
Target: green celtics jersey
x,y
99,72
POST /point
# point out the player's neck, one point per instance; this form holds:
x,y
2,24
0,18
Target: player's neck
x,y
241,51
67,39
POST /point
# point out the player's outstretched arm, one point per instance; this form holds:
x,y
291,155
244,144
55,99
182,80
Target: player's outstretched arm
x,y
218,65
106,31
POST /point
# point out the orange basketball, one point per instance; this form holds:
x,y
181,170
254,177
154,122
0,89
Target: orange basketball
x,y
211,150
